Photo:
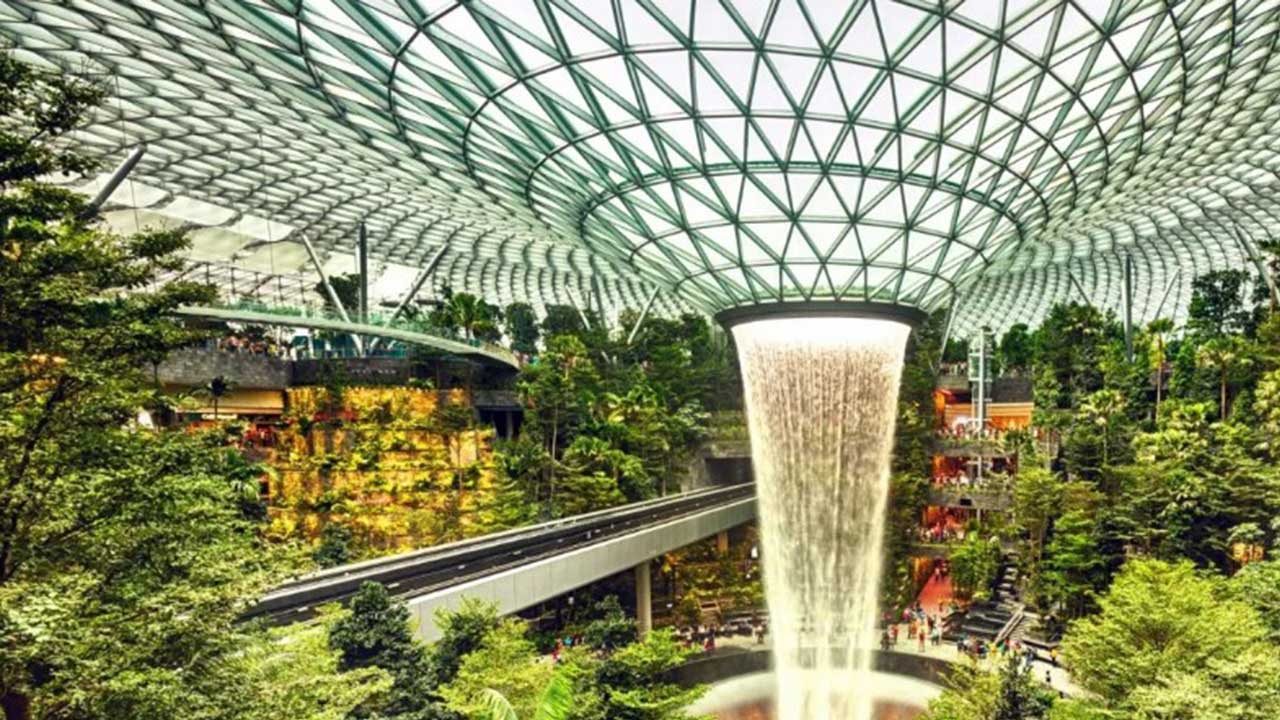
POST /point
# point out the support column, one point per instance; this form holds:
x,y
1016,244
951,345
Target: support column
x,y
722,542
362,260
1126,292
118,176
644,599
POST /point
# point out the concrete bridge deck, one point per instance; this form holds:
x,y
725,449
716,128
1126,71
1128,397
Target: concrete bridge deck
x,y
520,568
480,352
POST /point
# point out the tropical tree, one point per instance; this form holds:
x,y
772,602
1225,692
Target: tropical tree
x,y
1073,562
1104,410
1226,356
291,672
1156,621
376,634
562,320
346,287
1038,496
522,327
1016,348
472,315
974,564
505,665
126,556
1266,403
461,632
1158,332
217,388
1217,304
555,703
558,392
1258,584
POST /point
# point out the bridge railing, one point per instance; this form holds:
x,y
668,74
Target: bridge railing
x,y
373,320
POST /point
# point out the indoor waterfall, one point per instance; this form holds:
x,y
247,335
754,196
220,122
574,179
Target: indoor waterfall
x,y
821,396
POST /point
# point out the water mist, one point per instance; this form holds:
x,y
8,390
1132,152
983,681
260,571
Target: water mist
x,y
821,397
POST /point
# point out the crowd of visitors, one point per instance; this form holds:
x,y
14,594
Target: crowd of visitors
x,y
922,628
945,528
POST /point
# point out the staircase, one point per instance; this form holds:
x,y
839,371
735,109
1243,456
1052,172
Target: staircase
x,y
1003,614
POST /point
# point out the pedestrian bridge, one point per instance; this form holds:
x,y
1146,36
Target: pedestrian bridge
x,y
480,352
520,568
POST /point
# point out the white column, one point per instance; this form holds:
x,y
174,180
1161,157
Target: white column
x,y
644,599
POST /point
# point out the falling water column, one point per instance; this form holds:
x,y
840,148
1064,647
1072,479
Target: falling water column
x,y
821,396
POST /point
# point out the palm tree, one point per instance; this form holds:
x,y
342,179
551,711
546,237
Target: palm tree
x,y
1104,408
218,388
555,703
1159,331
1225,355
470,313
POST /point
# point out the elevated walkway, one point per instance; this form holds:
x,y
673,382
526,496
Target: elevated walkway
x,y
520,568
481,352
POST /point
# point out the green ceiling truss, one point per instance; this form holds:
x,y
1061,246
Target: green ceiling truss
x,y
727,151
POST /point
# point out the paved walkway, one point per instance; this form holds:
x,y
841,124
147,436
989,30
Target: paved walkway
x,y
1058,679
935,593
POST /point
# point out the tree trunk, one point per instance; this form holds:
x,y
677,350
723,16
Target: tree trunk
x,y
1222,408
551,467
1159,387
16,705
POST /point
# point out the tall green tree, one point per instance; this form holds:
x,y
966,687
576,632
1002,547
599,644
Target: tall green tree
x,y
1217,306
461,632
1038,495
473,316
1016,348
521,325
1070,343
1158,332
1227,358
126,556
376,634
1258,585
346,287
505,662
1158,620
558,392
974,564
1074,567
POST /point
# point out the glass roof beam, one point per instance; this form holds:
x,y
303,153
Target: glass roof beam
x,y
118,176
420,281
1168,288
1079,288
644,313
328,288
1251,249
1126,294
362,258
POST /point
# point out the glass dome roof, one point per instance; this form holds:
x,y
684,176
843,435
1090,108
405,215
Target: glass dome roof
x,y
999,153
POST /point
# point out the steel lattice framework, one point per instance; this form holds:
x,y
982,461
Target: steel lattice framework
x,y
727,151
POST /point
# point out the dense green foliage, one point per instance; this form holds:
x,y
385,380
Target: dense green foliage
x,y
1143,517
1162,627
974,694
376,634
483,667
607,421
974,564
126,554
